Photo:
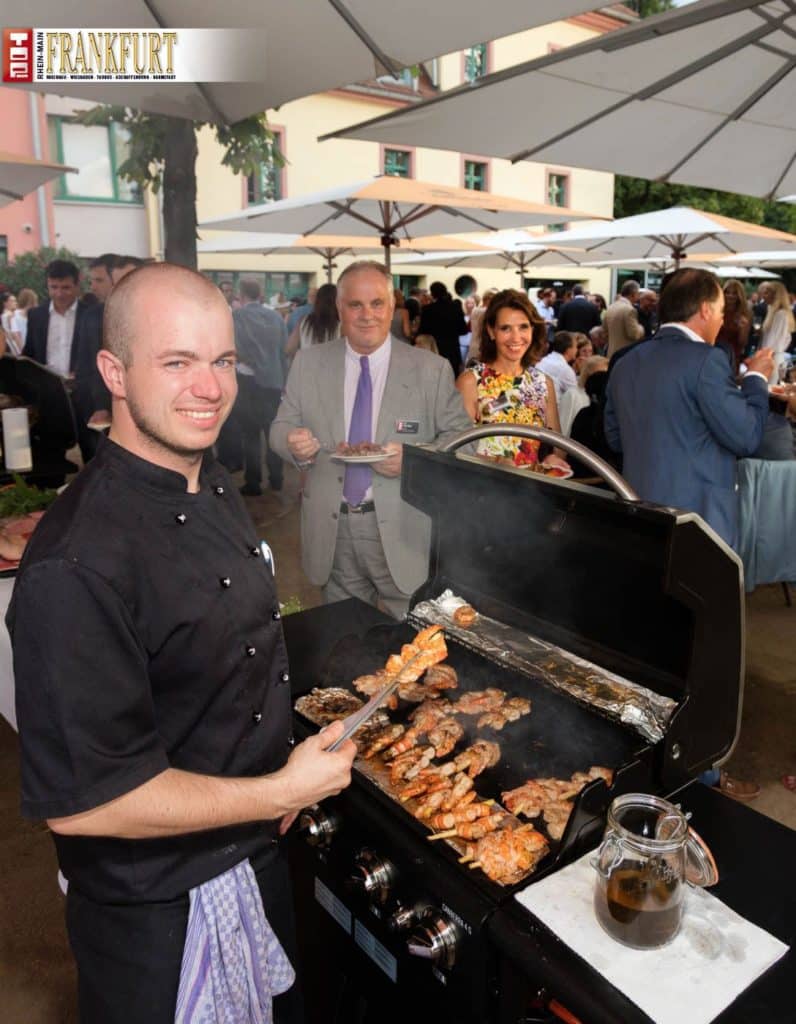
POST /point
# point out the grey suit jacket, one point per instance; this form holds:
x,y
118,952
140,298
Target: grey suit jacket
x,y
419,389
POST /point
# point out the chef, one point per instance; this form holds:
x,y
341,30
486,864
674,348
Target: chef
x,y
152,682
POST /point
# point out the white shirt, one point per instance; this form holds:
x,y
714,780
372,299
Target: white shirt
x,y
571,403
378,365
695,337
60,329
545,312
556,367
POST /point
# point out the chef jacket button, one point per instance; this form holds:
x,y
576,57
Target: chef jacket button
x,y
181,518
255,551
225,582
291,741
274,841
250,652
284,677
218,490
276,615
257,717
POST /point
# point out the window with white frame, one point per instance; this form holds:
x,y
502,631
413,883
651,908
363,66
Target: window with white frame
x,y
96,151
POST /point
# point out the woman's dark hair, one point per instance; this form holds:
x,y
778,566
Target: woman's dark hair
x,y
599,301
323,321
511,299
438,291
684,293
465,285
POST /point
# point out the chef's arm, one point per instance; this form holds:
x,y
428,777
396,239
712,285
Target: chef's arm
x,y
177,802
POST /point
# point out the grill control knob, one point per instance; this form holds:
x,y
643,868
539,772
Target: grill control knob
x,y
434,938
403,917
317,826
372,875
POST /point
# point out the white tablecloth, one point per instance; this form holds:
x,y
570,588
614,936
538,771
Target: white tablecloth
x,y
6,665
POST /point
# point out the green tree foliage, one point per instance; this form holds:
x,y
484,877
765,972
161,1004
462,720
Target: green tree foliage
x,y
645,8
28,270
163,156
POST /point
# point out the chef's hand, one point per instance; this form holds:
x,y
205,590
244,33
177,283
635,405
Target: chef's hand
x,y
287,821
302,444
391,466
313,772
761,362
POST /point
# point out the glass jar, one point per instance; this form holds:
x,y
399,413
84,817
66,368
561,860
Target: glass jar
x,y
648,853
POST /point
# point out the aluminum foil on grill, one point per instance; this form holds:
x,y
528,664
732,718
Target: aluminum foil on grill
x,y
642,709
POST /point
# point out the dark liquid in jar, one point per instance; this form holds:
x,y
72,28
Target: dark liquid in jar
x,y
639,909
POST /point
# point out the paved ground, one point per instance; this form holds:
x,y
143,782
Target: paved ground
x,y
36,974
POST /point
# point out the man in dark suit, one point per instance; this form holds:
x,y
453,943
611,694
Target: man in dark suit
x,y
676,413
444,320
579,315
53,326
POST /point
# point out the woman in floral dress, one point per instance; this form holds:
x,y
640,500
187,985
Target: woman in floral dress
x,y
504,388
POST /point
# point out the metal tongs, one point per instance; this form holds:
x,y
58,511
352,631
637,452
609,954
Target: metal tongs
x,y
353,721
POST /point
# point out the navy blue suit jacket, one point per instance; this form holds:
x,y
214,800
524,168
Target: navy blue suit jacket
x,y
681,422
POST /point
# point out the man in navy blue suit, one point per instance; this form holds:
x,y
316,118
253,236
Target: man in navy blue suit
x,y
676,413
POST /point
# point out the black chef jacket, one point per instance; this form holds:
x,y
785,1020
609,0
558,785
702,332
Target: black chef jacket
x,y
146,635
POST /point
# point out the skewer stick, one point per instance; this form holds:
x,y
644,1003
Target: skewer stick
x,y
443,835
467,857
475,864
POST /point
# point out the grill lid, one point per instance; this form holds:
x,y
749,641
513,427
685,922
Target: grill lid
x,y
647,592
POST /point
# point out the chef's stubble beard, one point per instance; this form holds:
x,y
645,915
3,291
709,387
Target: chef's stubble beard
x,y
157,440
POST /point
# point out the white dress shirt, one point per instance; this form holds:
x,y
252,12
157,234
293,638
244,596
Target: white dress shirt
x,y
60,329
562,374
378,364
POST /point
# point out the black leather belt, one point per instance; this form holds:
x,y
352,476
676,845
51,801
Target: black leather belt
x,y
363,506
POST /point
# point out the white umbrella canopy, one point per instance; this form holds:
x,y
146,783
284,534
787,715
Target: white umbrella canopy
x,y
669,234
666,266
701,95
20,175
764,258
392,208
306,47
501,251
328,247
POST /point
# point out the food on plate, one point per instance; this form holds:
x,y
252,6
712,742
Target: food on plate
x,y
323,706
508,854
552,798
509,711
465,616
362,448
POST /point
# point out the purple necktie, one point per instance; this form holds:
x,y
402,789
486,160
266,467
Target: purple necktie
x,y
357,478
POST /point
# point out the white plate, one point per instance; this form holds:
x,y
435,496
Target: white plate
x,y
361,458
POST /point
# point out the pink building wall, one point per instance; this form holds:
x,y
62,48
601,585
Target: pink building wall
x,y
17,137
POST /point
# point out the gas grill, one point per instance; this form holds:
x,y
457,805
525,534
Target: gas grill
x,y
393,925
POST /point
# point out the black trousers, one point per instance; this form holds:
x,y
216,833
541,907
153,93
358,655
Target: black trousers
x,y
129,956
240,442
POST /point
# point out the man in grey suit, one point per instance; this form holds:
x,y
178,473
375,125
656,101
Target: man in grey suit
x,y
676,413
359,539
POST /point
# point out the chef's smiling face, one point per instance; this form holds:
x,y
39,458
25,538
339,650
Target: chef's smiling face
x,y
170,366
365,305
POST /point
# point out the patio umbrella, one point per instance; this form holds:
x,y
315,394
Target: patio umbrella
x,y
669,234
502,250
299,48
328,247
781,258
392,208
665,266
701,95
20,175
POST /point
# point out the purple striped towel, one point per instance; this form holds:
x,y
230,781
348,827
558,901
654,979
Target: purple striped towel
x,y
233,964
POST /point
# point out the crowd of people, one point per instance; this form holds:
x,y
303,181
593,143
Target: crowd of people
x,y
178,776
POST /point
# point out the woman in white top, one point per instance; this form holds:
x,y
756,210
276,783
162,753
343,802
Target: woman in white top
x,y
319,326
11,340
26,300
778,325
575,399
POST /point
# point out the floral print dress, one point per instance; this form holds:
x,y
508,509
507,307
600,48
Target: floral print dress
x,y
503,398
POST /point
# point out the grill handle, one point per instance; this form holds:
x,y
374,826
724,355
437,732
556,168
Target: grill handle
x,y
596,464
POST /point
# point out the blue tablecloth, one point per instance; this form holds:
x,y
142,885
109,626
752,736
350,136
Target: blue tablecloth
x,y
768,521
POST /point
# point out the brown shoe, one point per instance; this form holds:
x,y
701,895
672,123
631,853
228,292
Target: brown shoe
x,y
737,788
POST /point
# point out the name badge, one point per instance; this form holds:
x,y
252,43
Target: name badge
x,y
407,426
